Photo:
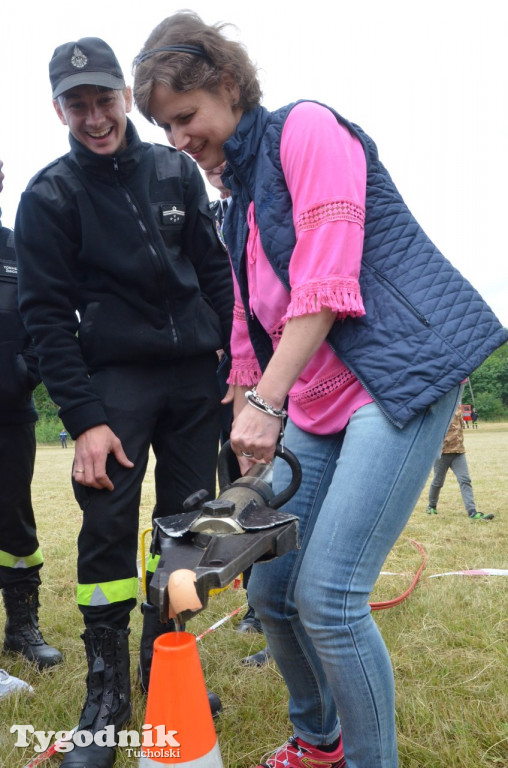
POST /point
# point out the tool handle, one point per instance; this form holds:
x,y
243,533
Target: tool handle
x,y
296,477
228,471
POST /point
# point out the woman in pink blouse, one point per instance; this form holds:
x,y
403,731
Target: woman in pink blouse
x,y
295,232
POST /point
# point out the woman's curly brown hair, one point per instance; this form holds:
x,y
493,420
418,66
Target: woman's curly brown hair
x,y
183,71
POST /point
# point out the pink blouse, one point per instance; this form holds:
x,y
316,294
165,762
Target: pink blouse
x,y
325,172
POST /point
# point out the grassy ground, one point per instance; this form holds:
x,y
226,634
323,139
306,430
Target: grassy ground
x,y
448,640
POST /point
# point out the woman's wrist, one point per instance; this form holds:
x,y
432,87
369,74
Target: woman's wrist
x,y
272,391
256,401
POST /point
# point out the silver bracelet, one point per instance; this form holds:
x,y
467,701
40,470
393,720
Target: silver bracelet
x,y
257,402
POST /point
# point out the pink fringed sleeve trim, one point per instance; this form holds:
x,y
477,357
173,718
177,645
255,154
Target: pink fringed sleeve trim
x,y
342,295
244,373
245,370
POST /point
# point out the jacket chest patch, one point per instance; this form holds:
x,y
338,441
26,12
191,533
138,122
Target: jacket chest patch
x,y
8,271
172,215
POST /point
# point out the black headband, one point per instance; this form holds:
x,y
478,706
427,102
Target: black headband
x,y
195,50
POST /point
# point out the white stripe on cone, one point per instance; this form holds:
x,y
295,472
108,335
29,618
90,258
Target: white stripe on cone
x,y
212,759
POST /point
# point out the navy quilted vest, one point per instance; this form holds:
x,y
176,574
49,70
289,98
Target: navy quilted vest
x,y
426,328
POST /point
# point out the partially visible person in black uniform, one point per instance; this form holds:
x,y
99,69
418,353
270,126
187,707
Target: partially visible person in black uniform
x,y
249,622
128,296
218,209
20,554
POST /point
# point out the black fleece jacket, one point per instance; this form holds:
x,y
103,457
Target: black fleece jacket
x,y
118,264
19,369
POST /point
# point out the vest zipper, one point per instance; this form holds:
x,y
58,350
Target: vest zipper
x,y
400,296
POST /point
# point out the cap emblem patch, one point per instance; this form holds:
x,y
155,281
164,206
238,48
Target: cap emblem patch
x,y
78,59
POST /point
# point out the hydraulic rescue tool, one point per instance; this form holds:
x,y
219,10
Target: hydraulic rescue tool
x,y
213,541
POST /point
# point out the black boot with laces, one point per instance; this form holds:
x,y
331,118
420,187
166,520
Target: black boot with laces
x,y
22,633
108,697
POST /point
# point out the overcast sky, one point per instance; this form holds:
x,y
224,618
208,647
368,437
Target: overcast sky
x,y
428,80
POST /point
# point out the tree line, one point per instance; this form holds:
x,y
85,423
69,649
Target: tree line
x,y
489,385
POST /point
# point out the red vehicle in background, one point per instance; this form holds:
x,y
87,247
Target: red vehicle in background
x,y
466,413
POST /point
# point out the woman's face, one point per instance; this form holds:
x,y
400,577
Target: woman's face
x,y
198,122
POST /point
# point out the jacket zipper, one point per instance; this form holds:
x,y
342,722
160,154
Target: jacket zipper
x,y
154,253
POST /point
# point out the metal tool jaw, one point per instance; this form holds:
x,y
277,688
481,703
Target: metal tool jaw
x,y
218,539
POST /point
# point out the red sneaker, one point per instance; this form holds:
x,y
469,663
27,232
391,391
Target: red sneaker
x,y
297,753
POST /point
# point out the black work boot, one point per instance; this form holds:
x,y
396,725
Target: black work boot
x,y
258,659
108,696
22,633
152,629
250,622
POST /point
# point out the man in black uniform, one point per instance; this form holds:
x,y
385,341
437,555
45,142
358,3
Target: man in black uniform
x,y
20,555
128,295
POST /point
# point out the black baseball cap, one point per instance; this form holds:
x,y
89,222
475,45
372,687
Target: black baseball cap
x,y
89,61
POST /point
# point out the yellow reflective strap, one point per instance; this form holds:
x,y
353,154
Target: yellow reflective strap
x,y
107,592
143,557
152,563
15,561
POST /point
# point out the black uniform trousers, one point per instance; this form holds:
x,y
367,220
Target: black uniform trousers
x,y
175,408
18,537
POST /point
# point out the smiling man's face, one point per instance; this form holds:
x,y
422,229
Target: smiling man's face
x,y
96,117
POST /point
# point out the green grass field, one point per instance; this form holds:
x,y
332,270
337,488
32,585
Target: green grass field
x,y
448,640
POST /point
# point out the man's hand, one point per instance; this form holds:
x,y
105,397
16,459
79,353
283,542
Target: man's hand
x,y
229,397
92,448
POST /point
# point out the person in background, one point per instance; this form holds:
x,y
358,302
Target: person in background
x,y
338,326
218,209
20,554
249,622
63,438
474,418
220,206
453,456
128,295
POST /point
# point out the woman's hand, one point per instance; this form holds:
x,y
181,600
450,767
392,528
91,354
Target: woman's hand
x,y
256,434
253,431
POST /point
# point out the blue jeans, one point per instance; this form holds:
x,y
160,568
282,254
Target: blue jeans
x,y
359,488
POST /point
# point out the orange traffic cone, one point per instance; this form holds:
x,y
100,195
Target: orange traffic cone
x,y
179,727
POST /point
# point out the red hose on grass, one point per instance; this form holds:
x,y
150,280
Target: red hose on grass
x,y
396,600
